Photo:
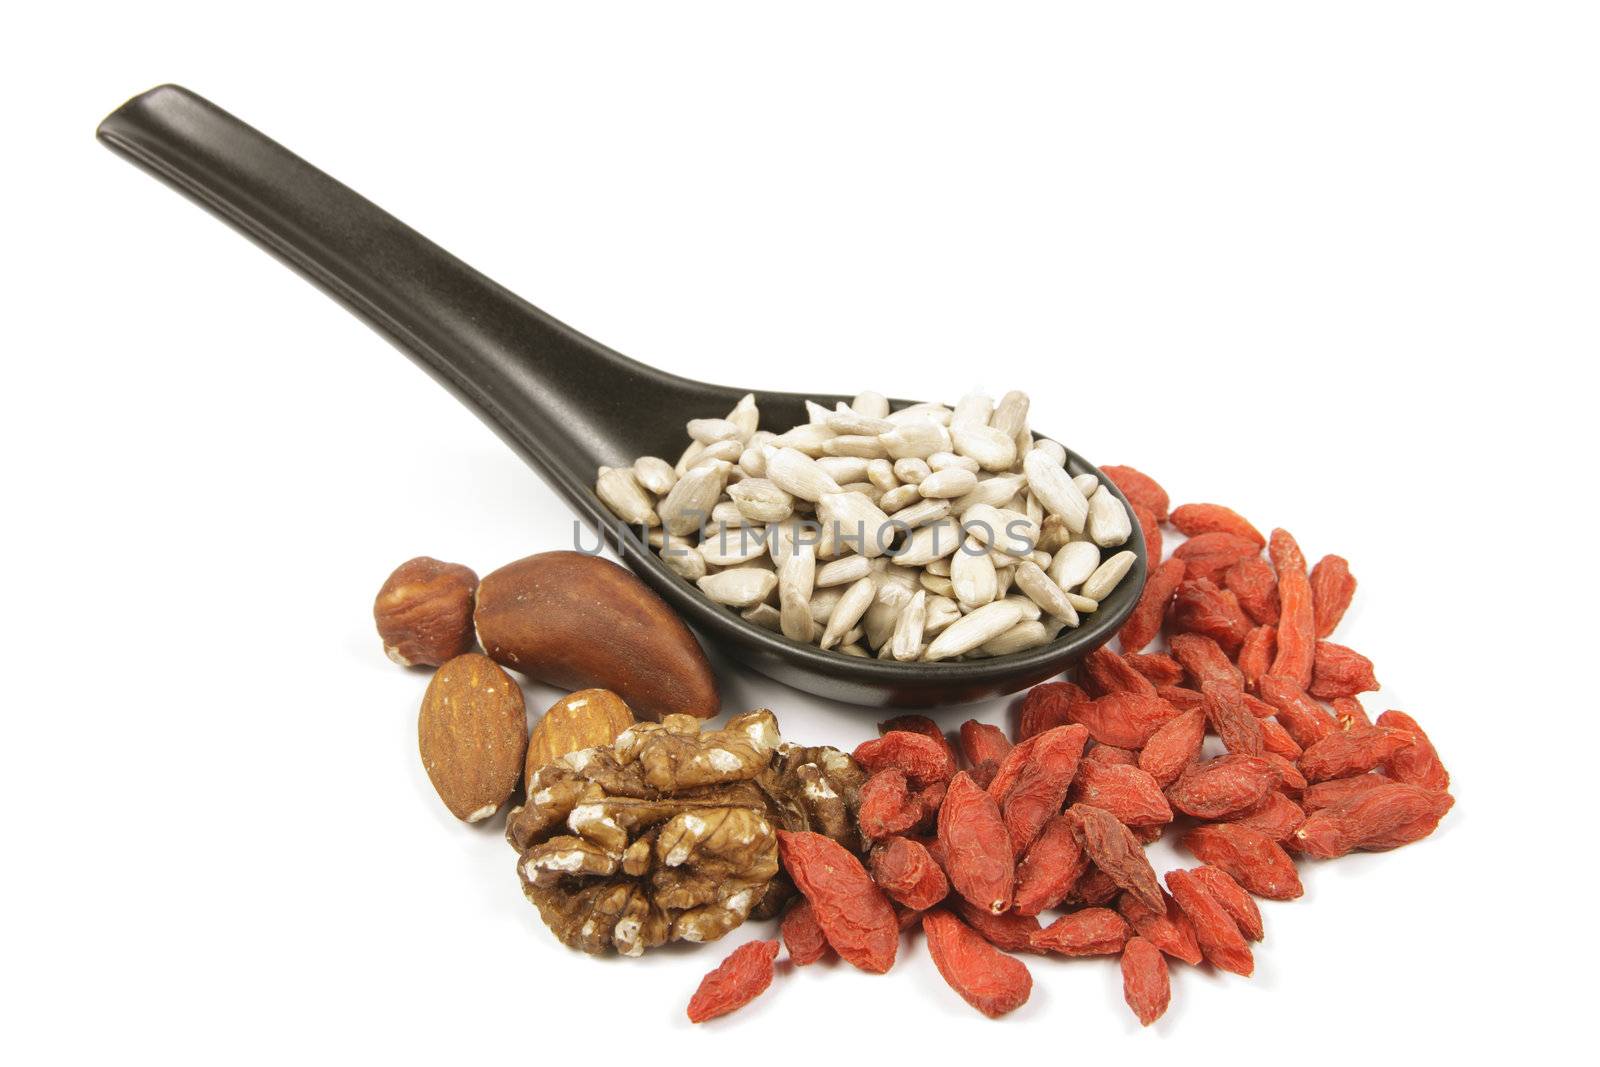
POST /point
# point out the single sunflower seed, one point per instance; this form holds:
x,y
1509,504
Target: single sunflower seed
x,y
1106,576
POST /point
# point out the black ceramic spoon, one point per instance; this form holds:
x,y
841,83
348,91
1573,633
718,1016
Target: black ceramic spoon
x,y
565,403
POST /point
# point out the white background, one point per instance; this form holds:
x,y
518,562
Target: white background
x,y
1333,265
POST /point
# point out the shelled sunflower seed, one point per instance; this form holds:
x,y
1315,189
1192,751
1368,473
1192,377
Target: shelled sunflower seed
x,y
928,534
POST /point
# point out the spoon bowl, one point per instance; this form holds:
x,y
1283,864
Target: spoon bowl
x,y
564,402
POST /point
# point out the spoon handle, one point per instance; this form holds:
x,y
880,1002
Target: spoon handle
x,y
558,397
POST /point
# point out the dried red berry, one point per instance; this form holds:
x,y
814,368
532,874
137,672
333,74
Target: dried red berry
x,y
886,805
1011,932
1227,785
1253,859
1255,655
1088,932
1297,628
1106,672
1111,756
981,742
916,724
1173,747
1050,868
1417,763
1200,607
977,853
1225,712
1353,751
1332,588
1115,852
1278,741
920,758
1140,488
1146,985
1192,520
1144,623
742,977
802,934
1306,721
1128,793
857,918
1160,668
1277,816
1234,900
986,978
1255,583
1150,526
1374,819
1041,784
1338,671
1211,555
1169,930
1094,888
1047,706
1183,700
905,871
1349,713
1220,940
1123,719
1204,660
1327,794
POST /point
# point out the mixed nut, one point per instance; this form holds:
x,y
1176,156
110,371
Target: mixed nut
x,y
631,834
928,534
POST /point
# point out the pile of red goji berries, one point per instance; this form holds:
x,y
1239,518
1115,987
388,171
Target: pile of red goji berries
x,y
1102,767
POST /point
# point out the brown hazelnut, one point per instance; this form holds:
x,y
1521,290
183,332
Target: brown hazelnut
x,y
424,612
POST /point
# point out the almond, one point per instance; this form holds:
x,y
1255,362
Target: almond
x,y
589,718
473,731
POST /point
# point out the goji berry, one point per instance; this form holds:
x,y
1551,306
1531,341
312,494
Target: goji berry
x,y
1255,655
984,773
1255,583
917,724
1128,793
1140,488
1160,668
886,805
1146,985
981,742
1050,868
1192,520
1005,775
1199,607
1277,740
1297,627
853,912
743,976
1289,776
919,757
1087,932
1418,763
1349,713
1225,712
1041,784
1123,719
1224,786
1204,660
1374,819
1144,622
802,934
1106,672
1338,671
1353,751
904,870
986,978
1210,555
1253,859
1234,900
1276,816
1047,706
1332,588
1116,852
1182,700
1111,756
1011,932
1173,747
1306,721
1169,929
1221,943
1150,526
1335,790
1094,887
977,853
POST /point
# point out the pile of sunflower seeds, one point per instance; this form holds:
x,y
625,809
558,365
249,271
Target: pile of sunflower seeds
x,y
926,534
